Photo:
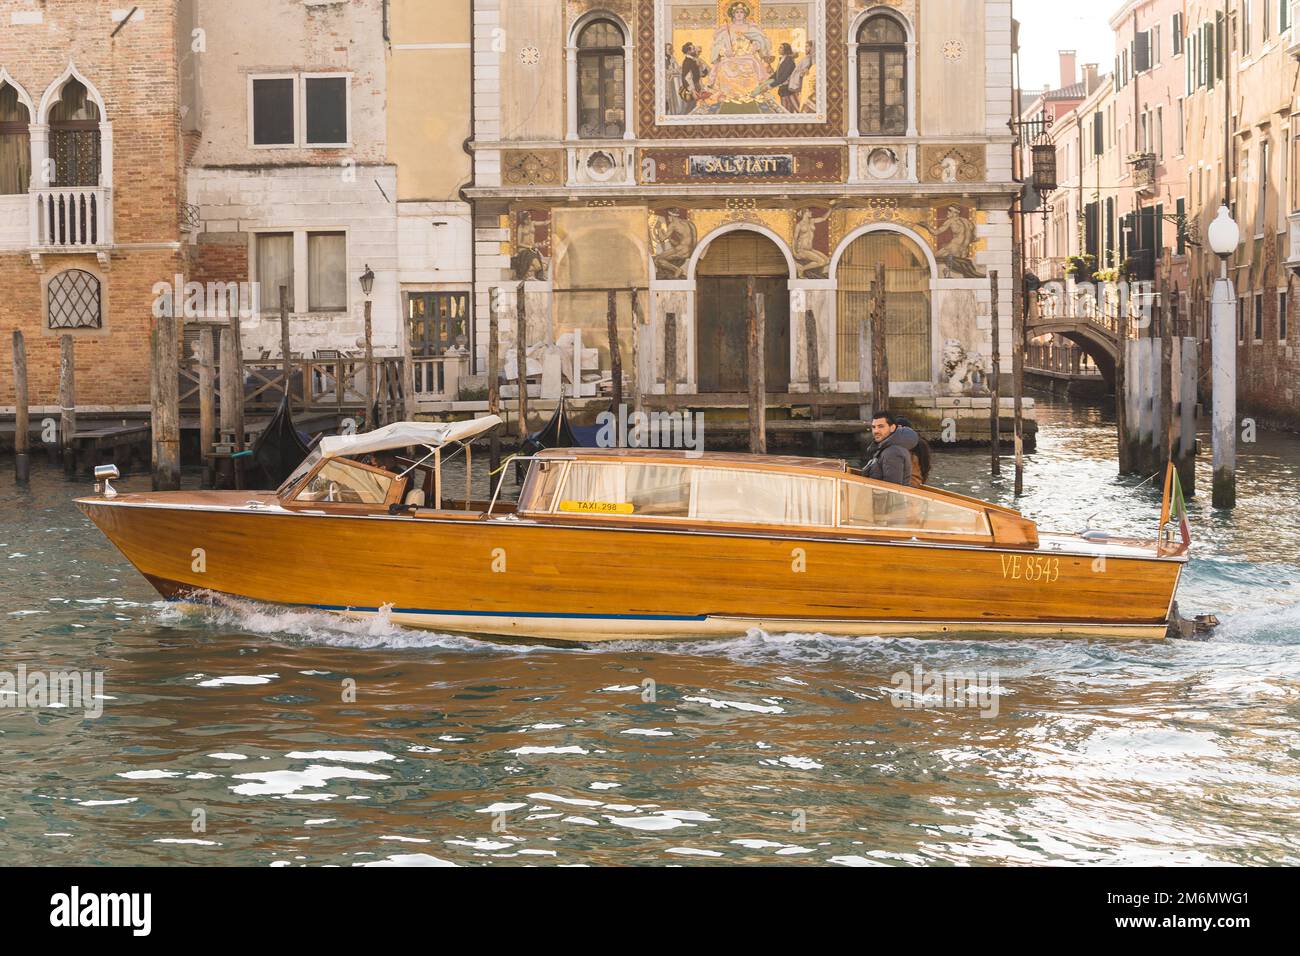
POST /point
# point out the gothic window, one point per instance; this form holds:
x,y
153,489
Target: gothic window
x,y
600,93
15,143
74,302
74,137
882,77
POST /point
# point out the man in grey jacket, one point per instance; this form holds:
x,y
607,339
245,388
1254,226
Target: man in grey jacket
x,y
890,458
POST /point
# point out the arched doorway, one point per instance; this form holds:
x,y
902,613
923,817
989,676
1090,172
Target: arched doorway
x,y
907,305
721,318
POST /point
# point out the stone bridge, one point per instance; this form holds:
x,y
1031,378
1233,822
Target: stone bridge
x,y
1096,335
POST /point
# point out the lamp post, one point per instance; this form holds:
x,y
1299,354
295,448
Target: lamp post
x,y
368,283
1223,235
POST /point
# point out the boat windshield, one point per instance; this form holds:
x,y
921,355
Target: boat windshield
x,y
299,473
344,482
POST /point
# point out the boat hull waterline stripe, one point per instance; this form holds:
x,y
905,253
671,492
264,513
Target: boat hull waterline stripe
x,y
591,627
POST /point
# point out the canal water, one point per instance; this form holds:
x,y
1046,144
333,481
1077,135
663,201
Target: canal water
x,y
249,735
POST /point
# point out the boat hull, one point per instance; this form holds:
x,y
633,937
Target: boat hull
x,y
525,579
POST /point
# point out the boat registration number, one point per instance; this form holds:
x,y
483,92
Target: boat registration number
x,y
598,507
1030,568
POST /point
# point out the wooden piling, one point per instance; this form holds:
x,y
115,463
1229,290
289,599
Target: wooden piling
x,y
670,353
1165,446
814,374
67,402
1121,385
757,367
371,391
636,352
879,354
995,405
232,400
285,360
22,420
494,386
521,356
207,404
1020,318
615,354
164,405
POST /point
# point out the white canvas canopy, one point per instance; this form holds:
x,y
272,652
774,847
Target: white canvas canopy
x,y
405,434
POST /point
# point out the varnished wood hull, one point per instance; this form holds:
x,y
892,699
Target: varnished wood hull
x,y
583,583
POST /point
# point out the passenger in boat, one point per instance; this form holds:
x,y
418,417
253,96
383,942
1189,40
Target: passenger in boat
x,y
921,459
890,456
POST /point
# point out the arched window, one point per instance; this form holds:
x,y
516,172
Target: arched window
x,y
72,301
74,137
15,143
882,77
601,93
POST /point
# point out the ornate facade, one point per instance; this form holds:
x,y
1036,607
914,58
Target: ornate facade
x,y
680,147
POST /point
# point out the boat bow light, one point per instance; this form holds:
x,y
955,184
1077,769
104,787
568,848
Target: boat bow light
x,y
103,473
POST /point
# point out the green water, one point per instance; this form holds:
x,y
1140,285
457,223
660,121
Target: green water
x,y
236,736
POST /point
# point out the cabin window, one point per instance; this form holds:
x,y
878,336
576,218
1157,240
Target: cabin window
x,y
342,482
867,506
662,491
762,497
539,489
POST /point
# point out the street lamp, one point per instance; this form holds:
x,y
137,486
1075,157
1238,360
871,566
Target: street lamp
x,y
1223,236
367,281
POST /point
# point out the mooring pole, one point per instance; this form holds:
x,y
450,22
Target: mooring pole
x,y
995,385
22,421
494,386
615,354
67,402
207,403
521,357
757,406
165,405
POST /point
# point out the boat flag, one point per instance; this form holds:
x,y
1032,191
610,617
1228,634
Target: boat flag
x,y
1180,510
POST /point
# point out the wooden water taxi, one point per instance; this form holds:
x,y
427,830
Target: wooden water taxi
x,y
622,543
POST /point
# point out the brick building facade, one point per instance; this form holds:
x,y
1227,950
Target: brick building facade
x,y
90,221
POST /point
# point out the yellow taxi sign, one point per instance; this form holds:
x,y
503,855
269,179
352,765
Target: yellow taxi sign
x,y
598,507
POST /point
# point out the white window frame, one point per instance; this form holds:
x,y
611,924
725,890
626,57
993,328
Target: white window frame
x,y
297,133
347,108
1282,317
300,109
301,282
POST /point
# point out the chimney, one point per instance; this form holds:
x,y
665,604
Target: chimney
x,y
1090,77
1067,68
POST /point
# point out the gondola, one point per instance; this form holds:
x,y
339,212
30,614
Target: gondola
x,y
278,450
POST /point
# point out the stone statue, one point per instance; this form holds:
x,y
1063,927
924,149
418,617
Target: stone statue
x,y
963,374
673,239
811,261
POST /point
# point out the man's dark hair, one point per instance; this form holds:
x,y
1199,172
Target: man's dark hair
x,y
787,50
887,416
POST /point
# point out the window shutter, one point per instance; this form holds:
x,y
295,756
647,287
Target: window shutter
x,y
1098,134
1142,52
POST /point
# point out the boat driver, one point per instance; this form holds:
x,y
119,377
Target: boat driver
x,y
891,457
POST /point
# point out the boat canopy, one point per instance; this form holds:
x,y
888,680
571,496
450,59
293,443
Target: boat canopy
x,y
406,434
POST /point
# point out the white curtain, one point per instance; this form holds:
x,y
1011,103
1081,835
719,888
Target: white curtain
x,y
274,269
594,482
724,494
327,280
